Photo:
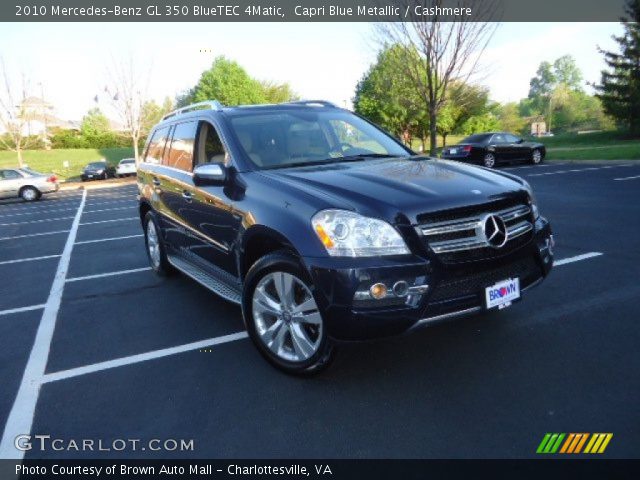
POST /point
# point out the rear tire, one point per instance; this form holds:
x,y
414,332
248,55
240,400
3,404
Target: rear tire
x,y
156,252
489,160
292,339
30,194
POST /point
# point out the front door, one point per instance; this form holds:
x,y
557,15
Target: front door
x,y
10,183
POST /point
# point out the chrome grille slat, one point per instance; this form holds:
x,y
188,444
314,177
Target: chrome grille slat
x,y
515,218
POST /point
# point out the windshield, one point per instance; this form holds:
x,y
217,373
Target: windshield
x,y
97,165
278,139
30,171
478,138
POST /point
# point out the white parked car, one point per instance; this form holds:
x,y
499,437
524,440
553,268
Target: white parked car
x,y
26,183
126,167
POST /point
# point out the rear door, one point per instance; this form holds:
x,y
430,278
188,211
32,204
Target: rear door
x,y
500,147
517,151
10,183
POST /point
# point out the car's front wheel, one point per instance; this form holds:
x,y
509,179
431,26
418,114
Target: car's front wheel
x,y
489,160
536,157
282,316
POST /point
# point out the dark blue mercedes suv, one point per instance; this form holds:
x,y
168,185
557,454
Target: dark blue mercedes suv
x,y
325,228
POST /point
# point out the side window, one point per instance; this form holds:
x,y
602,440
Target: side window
x,y
182,146
156,146
210,147
9,175
498,139
510,138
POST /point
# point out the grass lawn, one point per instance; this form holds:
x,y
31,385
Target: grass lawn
x,y
51,161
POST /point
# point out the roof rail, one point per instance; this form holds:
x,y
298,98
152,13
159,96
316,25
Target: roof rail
x,y
311,103
209,104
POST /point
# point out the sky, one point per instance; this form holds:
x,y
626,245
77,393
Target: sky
x,y
69,62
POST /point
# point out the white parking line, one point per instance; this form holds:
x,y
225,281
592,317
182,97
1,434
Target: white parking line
x,y
577,258
100,204
20,418
559,172
38,212
535,166
142,357
108,274
84,242
22,309
114,220
16,237
111,209
31,259
627,178
35,221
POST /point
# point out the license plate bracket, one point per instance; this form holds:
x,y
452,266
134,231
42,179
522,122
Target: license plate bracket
x,y
502,293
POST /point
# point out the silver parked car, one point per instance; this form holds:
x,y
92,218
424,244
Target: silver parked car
x,y
26,184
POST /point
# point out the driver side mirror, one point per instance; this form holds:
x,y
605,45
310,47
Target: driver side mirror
x,y
210,174
520,140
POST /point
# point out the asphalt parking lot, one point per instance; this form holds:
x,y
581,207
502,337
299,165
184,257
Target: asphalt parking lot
x,y
94,346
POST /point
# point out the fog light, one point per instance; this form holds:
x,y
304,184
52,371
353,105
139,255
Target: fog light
x,y
401,289
378,291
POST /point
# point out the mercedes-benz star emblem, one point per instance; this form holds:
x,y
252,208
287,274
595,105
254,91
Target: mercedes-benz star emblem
x,y
495,231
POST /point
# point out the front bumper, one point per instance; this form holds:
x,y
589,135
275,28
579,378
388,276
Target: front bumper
x,y
453,289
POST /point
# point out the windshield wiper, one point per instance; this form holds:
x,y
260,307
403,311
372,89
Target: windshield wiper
x,y
328,161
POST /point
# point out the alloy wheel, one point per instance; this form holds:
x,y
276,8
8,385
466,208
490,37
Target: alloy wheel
x,y
286,317
153,244
536,156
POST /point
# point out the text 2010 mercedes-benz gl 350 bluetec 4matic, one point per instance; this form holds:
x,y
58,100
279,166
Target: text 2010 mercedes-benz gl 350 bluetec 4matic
x,y
324,228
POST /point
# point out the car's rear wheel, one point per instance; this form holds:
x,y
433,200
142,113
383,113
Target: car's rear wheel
x,y
536,157
489,160
29,194
283,318
155,248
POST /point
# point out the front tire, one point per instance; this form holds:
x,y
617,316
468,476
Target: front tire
x,y
489,160
29,194
283,318
154,246
536,157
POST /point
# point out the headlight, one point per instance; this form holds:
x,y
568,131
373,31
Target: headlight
x,y
100,171
534,200
348,234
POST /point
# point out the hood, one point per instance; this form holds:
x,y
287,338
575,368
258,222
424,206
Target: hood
x,y
399,190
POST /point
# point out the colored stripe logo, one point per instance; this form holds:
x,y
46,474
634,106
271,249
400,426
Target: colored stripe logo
x,y
574,443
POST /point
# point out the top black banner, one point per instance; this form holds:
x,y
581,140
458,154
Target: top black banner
x,y
311,10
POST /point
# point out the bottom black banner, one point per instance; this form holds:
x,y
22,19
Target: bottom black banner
x,y
325,469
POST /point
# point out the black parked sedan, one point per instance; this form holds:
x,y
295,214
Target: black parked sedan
x,y
97,171
493,148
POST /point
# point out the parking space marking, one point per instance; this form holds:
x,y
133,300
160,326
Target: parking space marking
x,y
143,357
578,170
22,309
535,166
627,178
34,221
154,354
112,239
16,237
21,416
31,259
108,274
114,220
110,202
38,212
577,258
111,209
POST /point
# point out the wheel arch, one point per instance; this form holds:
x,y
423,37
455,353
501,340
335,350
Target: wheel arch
x,y
259,241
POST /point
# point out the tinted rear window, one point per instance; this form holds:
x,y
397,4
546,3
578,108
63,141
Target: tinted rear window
x,y
478,138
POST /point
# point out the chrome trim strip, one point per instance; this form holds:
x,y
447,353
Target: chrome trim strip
x,y
467,243
519,229
452,227
459,313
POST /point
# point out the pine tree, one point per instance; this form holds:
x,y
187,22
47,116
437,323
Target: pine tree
x,y
619,87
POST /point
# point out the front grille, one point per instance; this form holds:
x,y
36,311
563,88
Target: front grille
x,y
461,237
473,284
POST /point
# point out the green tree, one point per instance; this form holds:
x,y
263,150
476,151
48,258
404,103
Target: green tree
x,y
619,88
94,124
510,119
278,92
229,83
464,101
152,113
567,73
386,96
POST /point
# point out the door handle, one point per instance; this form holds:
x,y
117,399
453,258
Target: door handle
x,y
155,181
187,195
